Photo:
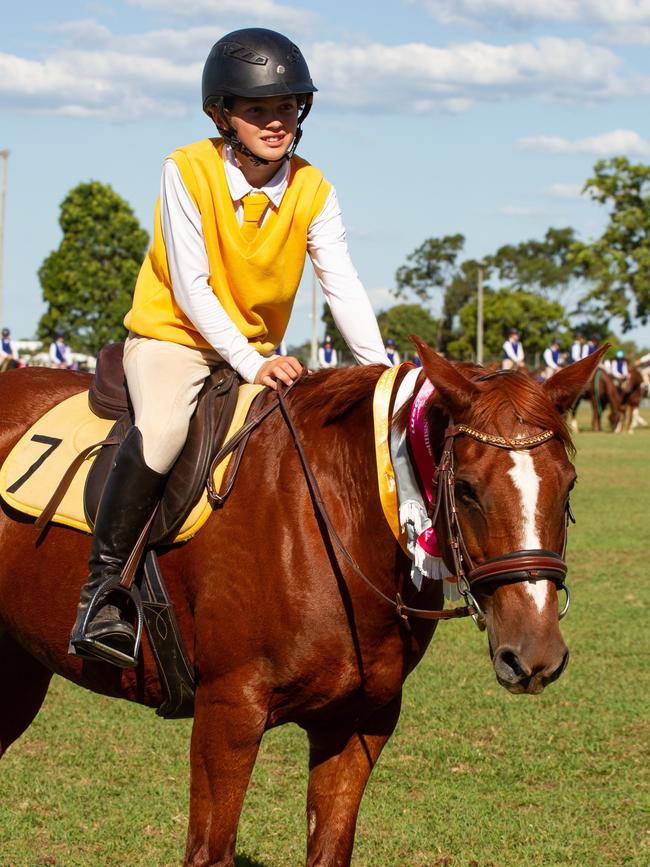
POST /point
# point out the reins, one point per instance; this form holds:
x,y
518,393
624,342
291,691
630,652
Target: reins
x,y
515,566
403,611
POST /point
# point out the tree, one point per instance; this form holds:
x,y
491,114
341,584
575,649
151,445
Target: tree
x,y
542,266
618,263
430,267
538,319
88,281
402,320
398,322
538,266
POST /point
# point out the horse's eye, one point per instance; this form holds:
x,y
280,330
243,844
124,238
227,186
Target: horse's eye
x,y
466,493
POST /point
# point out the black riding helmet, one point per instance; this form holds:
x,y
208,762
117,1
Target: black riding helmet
x,y
250,63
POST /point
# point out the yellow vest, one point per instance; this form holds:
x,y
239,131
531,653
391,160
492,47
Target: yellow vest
x,y
255,282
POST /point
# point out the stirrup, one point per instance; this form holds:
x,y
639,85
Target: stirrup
x,y
94,649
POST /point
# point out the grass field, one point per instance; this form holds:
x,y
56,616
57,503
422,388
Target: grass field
x,y
473,776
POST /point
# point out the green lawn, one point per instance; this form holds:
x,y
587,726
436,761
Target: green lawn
x,y
472,776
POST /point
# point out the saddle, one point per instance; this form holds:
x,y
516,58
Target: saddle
x,y
108,398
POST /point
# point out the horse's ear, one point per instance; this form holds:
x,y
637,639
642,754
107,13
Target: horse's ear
x,y
565,387
455,391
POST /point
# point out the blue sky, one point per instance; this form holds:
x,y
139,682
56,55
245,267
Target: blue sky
x,y
433,117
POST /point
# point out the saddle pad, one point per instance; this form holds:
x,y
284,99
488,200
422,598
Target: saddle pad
x,y
40,458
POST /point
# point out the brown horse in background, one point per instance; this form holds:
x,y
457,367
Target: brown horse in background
x,y
602,394
279,627
632,392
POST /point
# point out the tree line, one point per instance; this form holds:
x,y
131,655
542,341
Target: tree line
x,y
88,281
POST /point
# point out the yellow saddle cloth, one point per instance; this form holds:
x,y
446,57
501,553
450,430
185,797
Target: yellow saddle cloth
x,y
38,461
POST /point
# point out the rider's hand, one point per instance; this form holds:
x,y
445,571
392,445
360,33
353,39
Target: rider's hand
x,y
285,368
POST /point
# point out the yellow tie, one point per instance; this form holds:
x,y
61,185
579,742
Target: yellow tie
x,y
254,206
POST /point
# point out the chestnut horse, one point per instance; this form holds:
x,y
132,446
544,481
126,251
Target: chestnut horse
x,y
632,392
602,394
280,627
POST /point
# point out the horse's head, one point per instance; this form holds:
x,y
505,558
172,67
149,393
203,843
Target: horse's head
x,y
503,522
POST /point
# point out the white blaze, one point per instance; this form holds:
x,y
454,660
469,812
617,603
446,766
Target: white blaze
x,y
526,481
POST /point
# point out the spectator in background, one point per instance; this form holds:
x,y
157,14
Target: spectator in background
x,y
392,353
513,351
578,349
8,351
60,354
552,358
617,367
327,356
281,349
591,345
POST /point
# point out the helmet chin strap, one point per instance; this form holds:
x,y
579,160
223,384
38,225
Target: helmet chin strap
x,y
229,134
231,137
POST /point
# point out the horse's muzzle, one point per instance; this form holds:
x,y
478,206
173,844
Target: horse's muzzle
x,y
517,676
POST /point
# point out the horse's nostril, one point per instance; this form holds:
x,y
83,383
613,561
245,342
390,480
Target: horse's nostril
x,y
508,666
558,671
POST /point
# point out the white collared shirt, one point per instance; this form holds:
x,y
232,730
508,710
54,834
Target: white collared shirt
x,y
189,269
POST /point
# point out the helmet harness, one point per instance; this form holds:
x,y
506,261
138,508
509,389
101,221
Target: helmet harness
x,y
255,63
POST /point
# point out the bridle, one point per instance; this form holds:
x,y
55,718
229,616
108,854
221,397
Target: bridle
x,y
511,568
516,566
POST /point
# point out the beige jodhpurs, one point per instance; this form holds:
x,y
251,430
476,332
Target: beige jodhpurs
x,y
164,382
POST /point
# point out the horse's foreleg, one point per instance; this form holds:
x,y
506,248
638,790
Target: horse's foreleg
x,y
225,740
340,763
24,683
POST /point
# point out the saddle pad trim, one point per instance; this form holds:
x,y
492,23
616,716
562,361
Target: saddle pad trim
x,y
26,463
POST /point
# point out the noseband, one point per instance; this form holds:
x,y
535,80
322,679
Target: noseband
x,y
527,565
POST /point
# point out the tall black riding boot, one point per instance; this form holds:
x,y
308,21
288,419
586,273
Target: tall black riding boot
x,y
130,496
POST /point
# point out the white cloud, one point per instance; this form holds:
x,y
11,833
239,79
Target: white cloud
x,y
381,298
565,191
416,77
618,141
519,211
257,12
495,12
627,35
97,73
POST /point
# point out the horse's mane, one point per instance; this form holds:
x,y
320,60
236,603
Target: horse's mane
x,y
513,392
327,395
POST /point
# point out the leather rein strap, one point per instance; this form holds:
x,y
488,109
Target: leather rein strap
x,y
403,611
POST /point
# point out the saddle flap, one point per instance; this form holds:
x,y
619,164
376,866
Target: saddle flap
x,y
187,478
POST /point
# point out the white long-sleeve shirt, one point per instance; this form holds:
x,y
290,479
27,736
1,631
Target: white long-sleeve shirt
x,y
513,350
327,247
549,361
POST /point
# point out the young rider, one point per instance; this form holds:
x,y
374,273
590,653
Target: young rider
x,y
235,218
513,351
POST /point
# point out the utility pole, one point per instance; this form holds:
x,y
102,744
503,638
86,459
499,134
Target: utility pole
x,y
4,155
479,313
313,356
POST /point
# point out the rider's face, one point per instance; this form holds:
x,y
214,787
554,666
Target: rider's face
x,y
267,127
